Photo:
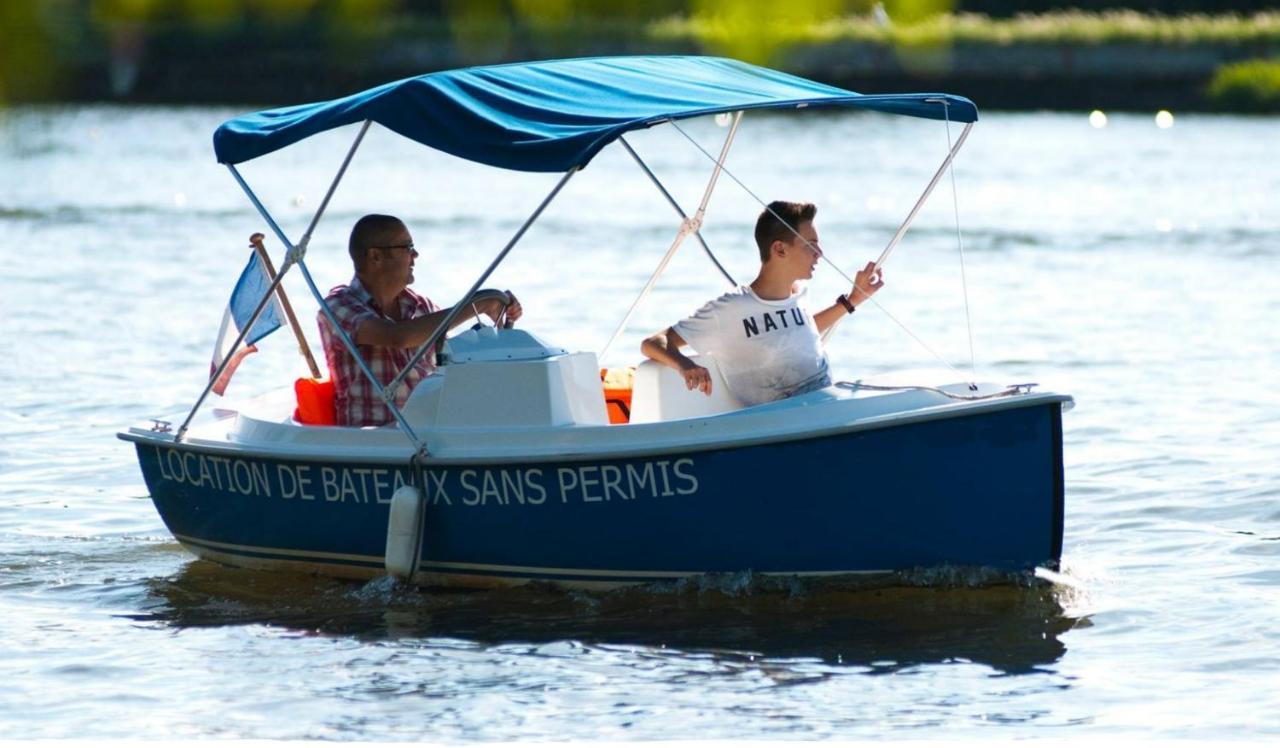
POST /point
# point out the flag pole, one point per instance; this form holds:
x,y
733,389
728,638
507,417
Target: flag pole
x,y
213,379
255,241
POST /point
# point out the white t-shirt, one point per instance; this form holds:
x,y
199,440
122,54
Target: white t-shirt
x,y
767,350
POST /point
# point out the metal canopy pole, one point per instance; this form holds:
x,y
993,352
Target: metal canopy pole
x,y
911,217
262,211
902,230
350,345
301,248
715,175
680,211
687,226
275,227
456,310
297,255
294,256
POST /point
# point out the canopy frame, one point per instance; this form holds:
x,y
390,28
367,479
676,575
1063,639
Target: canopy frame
x,y
906,104
296,254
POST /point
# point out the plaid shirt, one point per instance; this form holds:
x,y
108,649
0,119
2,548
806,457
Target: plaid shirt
x,y
356,400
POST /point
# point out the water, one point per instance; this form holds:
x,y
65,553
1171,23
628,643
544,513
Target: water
x,y
1130,266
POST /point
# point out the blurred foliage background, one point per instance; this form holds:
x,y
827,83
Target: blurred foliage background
x,y
1023,53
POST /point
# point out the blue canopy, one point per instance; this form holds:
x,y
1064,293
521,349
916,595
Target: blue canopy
x,y
555,115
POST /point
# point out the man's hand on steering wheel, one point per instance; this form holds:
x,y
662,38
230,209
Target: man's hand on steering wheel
x,y
514,310
500,306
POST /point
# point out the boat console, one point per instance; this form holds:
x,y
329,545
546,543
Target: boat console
x,y
505,378
508,378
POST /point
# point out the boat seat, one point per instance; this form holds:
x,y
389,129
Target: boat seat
x,y
659,393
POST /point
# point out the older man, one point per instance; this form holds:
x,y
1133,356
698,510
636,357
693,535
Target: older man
x,y
385,320
764,336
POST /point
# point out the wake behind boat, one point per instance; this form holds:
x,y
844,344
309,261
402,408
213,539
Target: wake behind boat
x,y
514,462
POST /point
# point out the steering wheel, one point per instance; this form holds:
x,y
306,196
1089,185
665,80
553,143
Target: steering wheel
x,y
504,298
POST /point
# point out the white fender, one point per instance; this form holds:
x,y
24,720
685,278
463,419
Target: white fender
x,y
404,522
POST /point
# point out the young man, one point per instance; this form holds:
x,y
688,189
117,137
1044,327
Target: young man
x,y
763,335
385,320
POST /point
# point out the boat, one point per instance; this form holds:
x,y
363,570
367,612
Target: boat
x,y
559,478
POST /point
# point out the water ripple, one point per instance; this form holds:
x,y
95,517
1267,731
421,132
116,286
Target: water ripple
x,y
1143,291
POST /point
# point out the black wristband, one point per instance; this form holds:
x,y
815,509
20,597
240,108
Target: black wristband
x,y
844,302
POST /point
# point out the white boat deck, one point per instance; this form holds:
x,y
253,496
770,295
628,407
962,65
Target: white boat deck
x,y
264,427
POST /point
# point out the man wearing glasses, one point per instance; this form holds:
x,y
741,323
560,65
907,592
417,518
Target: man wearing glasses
x,y
764,336
385,320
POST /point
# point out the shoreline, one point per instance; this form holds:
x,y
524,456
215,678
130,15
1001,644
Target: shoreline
x,y
1059,61
1025,77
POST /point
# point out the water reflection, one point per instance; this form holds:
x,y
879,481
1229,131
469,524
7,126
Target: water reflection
x,y
1012,628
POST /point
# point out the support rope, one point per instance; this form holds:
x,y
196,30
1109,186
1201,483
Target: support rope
x,y
964,283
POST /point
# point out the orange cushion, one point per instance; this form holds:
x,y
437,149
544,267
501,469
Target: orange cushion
x,y
617,392
315,402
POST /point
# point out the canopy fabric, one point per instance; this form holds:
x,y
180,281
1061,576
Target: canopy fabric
x,y
556,115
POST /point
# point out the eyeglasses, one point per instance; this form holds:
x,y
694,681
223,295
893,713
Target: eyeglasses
x,y
408,246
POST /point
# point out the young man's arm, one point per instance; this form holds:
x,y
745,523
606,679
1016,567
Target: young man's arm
x,y
664,347
829,316
866,283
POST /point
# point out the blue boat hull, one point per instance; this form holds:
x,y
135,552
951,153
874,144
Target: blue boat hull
x,y
982,489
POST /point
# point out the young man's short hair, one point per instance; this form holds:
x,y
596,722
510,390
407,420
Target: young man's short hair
x,y
776,223
371,231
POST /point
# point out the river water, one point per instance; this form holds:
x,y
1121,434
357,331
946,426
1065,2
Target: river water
x,y
1131,266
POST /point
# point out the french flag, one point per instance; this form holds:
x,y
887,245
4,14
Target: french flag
x,y
253,283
